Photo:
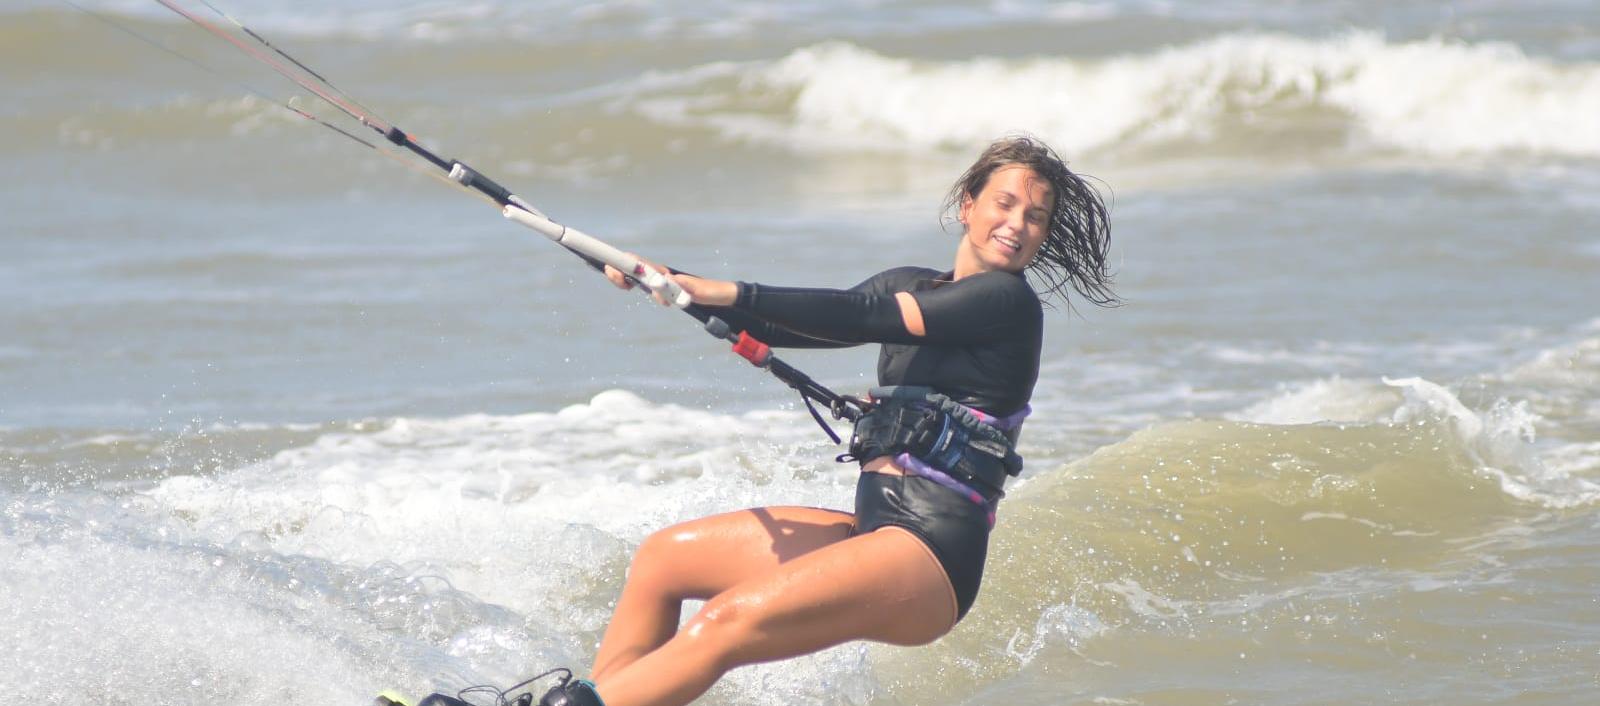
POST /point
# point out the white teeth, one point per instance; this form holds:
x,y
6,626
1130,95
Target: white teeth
x,y
1013,244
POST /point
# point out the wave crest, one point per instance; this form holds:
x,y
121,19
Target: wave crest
x,y
1245,92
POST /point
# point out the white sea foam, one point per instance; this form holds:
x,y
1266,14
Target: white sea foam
x,y
1433,97
501,483
421,552
1580,459
80,633
1501,440
1575,366
1066,623
1330,400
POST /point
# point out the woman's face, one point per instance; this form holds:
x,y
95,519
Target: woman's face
x,y
1008,221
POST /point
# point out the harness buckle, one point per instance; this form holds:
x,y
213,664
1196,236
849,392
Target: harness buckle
x,y
938,431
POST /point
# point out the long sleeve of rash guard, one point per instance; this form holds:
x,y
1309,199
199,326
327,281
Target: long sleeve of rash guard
x,y
979,308
764,331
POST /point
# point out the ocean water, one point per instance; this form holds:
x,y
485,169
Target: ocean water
x,y
283,422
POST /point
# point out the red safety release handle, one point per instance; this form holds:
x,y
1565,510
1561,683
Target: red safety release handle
x,y
752,350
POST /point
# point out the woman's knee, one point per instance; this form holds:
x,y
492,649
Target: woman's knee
x,y
658,562
719,628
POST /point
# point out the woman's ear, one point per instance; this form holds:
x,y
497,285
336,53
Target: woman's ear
x,y
966,208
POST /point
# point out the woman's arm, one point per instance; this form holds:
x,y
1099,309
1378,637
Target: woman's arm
x,y
712,297
976,309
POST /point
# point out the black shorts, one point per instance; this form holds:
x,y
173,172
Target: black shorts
x,y
953,526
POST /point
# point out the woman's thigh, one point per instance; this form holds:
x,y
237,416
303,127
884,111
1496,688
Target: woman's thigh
x,y
884,586
701,558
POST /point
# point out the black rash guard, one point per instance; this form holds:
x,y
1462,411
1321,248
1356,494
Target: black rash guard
x,y
981,348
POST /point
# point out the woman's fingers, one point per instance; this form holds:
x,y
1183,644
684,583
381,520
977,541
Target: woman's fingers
x,y
703,291
623,281
618,279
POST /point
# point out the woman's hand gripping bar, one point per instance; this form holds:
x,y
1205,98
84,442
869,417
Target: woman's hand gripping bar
x,y
593,247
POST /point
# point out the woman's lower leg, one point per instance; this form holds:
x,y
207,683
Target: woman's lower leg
x,y
698,559
644,619
694,667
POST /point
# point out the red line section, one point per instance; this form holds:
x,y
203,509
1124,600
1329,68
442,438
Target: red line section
x,y
353,111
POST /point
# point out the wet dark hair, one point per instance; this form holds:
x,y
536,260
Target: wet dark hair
x,y
1074,251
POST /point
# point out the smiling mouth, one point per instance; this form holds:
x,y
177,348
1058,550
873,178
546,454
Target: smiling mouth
x,y
1009,243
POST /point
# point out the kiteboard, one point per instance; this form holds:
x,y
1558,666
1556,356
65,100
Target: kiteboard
x,y
390,698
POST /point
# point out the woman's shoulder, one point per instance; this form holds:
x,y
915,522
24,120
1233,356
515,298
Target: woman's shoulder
x,y
1000,279
901,279
994,302
996,288
1006,287
911,273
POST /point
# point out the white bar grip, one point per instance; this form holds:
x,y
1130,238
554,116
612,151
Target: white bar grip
x,y
599,250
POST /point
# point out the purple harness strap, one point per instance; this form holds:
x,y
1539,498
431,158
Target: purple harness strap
x,y
912,464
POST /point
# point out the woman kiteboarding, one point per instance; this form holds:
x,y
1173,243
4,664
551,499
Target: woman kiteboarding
x,y
936,440
958,365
